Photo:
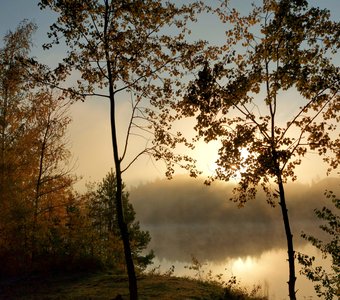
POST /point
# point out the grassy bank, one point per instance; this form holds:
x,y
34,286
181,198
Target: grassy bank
x,y
107,286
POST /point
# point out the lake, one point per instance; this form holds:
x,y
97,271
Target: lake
x,y
186,218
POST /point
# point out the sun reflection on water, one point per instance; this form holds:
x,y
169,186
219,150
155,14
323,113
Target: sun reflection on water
x,y
270,271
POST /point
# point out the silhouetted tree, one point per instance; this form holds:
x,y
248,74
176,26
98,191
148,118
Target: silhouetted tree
x,y
272,96
121,47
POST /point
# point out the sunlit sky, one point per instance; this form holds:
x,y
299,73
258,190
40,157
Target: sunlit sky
x,y
89,134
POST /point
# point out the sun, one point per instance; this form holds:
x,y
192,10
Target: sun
x,y
206,156
212,167
237,171
243,265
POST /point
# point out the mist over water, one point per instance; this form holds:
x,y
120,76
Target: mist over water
x,y
186,218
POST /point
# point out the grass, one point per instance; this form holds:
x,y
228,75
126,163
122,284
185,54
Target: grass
x,y
104,285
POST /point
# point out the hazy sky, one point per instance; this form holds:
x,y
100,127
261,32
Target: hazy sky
x,y
89,134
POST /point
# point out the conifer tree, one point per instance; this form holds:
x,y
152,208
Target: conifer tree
x,y
103,216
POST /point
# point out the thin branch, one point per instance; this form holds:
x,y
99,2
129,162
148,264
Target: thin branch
x,y
95,25
70,90
129,85
94,48
58,87
301,111
140,135
249,115
145,150
142,128
134,107
55,189
297,142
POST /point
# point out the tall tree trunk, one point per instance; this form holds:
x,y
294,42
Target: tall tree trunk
x,y
119,192
278,173
289,236
119,205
